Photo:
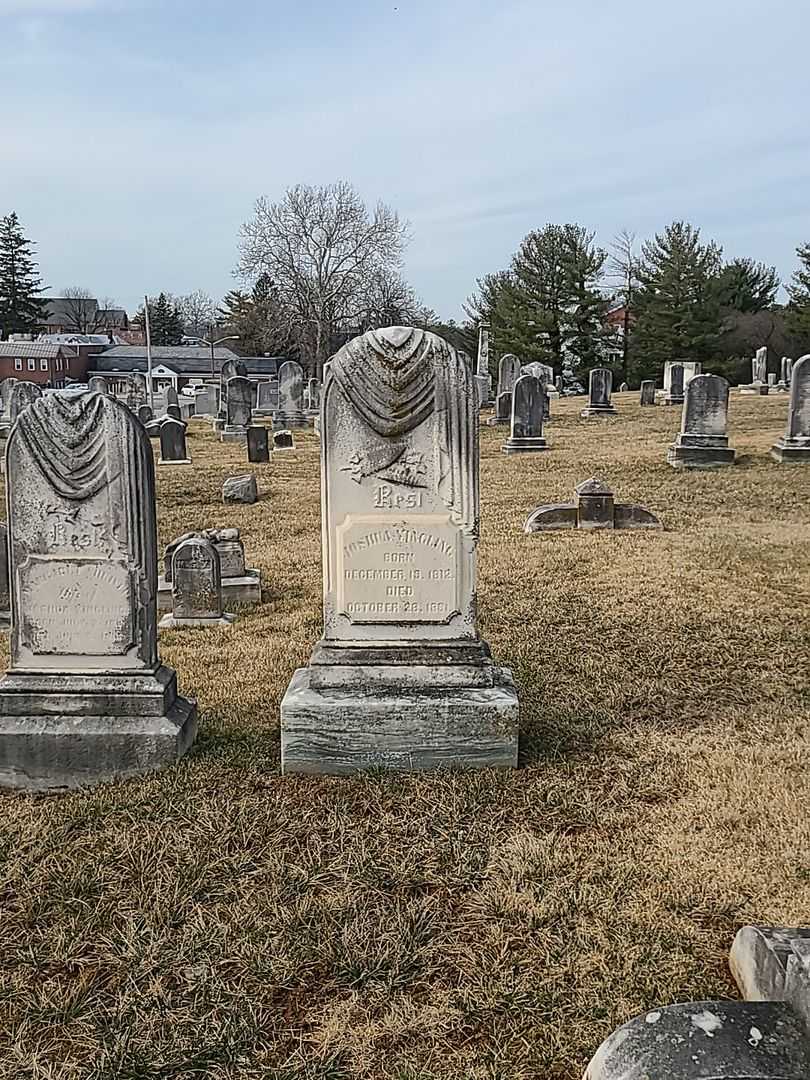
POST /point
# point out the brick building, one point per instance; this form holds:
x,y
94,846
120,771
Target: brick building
x,y
45,363
175,365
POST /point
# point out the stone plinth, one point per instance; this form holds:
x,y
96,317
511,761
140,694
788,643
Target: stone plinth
x,y
400,678
593,508
86,697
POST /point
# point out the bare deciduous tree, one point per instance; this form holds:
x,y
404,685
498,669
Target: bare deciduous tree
x,y
199,312
321,247
81,310
623,270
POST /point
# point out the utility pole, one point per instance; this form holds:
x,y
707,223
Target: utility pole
x,y
149,392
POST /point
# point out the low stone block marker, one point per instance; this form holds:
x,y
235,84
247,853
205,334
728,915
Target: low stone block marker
x,y
283,440
258,449
795,443
240,489
593,508
86,697
196,587
400,678
600,386
528,398
702,442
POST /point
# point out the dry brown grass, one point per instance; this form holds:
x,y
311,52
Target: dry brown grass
x,y
220,920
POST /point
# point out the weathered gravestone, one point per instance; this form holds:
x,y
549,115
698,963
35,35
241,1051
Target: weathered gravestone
x,y
675,393
648,392
759,366
785,370
283,440
239,409
173,443
528,397
229,370
97,384
205,401
503,410
795,443
483,378
136,390
257,445
266,398
623,388
23,394
313,395
86,697
508,373
290,412
593,507
6,386
600,385
5,595
702,442
240,489
771,378
171,396
401,677
196,586
240,585
145,414
152,428
690,369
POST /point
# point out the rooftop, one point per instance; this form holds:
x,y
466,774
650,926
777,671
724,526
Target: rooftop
x,y
183,359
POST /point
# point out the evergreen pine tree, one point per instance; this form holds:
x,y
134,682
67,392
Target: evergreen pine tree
x,y
21,307
678,303
747,286
799,308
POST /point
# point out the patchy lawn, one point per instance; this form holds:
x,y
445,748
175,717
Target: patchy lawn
x,y
220,920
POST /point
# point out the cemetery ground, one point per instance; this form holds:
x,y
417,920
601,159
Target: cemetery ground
x,y
221,920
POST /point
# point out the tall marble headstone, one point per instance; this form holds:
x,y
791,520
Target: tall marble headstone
x,y
290,412
785,370
483,376
508,373
313,395
759,366
229,370
239,408
703,442
196,586
600,387
173,443
401,677
647,392
794,445
86,697
527,417
675,394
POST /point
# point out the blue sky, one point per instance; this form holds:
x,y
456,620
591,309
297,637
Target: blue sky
x,y
135,135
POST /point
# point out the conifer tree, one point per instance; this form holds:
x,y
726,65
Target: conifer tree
x,y
799,307
22,308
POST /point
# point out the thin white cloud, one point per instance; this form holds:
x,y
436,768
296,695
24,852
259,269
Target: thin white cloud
x,y
52,7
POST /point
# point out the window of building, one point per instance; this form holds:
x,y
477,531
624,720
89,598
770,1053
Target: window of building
x,y
32,364
43,365
18,364
59,363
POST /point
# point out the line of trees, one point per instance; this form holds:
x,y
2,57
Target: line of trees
x,y
672,298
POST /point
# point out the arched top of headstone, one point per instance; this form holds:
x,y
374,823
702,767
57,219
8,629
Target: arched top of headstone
x,y
22,395
593,486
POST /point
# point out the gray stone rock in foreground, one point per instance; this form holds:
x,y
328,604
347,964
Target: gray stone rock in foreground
x,y
593,508
85,698
240,489
401,677
702,442
707,1040
794,445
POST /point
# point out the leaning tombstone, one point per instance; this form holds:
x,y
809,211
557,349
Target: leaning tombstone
x,y
196,587
257,445
173,443
794,445
283,440
97,384
623,388
239,409
145,414
675,393
702,442
647,392
600,385
5,595
508,373
290,412
401,677
503,410
86,697
527,417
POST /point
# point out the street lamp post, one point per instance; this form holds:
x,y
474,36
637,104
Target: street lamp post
x,y
213,344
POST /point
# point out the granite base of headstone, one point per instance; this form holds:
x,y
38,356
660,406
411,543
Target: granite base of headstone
x,y
283,440
241,585
86,698
401,678
593,507
258,448
702,442
794,445
240,489
196,587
